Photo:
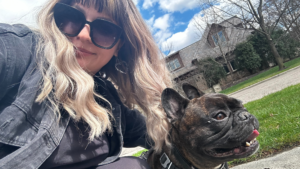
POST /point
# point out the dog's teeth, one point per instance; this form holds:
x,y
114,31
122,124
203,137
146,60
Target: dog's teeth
x,y
251,141
254,138
247,144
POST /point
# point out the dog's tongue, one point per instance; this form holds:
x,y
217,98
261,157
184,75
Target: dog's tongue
x,y
254,134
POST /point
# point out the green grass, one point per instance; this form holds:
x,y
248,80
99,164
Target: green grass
x,y
139,153
279,118
262,76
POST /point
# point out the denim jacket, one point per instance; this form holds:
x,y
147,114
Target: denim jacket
x,y
29,131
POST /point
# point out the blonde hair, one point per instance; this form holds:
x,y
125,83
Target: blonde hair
x,y
66,84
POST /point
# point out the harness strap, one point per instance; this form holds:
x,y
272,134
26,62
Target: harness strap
x,y
166,163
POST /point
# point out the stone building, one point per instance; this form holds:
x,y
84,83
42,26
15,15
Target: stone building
x,y
218,41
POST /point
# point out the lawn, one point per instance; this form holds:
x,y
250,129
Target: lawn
x,y
262,76
139,153
279,118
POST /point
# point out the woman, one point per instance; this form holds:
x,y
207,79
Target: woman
x,y
58,104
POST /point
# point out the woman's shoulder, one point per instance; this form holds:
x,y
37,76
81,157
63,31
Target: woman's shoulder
x,y
17,39
17,53
16,29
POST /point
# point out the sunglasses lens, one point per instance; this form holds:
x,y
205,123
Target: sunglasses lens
x,y
68,20
105,34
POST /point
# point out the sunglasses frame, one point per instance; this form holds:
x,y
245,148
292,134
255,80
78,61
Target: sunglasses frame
x,y
59,6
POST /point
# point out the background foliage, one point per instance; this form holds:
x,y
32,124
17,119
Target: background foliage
x,y
246,57
212,71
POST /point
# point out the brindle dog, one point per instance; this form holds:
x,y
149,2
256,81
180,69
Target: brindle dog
x,y
207,131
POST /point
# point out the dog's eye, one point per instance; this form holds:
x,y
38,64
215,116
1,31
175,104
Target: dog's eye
x,y
220,116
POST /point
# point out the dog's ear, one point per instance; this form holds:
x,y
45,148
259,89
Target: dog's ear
x,y
173,103
191,91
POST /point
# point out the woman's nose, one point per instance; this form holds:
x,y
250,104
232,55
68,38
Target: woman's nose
x,y
84,34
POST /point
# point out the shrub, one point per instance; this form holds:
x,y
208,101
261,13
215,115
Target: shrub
x,y
246,57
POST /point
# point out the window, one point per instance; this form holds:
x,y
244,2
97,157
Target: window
x,y
174,64
233,67
232,63
219,37
226,69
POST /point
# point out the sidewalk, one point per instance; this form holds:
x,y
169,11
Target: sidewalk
x,y
268,86
286,160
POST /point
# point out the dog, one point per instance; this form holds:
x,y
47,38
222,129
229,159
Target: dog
x,y
207,130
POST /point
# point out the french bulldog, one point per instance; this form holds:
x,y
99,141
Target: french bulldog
x,y
207,130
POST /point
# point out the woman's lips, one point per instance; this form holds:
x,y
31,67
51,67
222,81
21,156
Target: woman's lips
x,y
83,52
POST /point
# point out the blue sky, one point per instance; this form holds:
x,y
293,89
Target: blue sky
x,y
170,21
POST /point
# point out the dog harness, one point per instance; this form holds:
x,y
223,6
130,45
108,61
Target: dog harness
x,y
166,163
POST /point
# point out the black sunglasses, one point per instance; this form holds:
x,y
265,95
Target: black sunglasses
x,y
71,21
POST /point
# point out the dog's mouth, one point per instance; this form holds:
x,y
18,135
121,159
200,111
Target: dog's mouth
x,y
246,148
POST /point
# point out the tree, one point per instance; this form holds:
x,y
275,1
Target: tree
x,y
255,15
287,46
289,19
246,57
168,48
258,41
212,71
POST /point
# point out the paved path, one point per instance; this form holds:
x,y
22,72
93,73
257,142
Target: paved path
x,y
286,160
268,86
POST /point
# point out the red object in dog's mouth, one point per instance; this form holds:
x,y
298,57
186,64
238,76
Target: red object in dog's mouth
x,y
250,139
254,134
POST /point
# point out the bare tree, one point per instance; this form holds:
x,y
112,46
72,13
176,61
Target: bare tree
x,y
256,15
290,19
168,48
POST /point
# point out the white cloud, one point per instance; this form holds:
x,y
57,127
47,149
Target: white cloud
x,y
150,22
161,36
135,2
20,11
178,5
163,22
179,23
180,40
149,3
172,5
160,27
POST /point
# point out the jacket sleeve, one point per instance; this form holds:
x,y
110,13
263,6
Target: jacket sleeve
x,y
135,130
3,67
16,43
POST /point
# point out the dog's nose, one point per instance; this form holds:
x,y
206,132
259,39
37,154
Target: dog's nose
x,y
244,115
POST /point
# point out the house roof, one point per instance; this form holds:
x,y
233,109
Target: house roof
x,y
232,21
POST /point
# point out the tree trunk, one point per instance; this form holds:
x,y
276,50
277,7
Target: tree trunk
x,y
228,64
278,59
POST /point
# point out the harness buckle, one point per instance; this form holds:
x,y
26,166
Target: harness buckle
x,y
164,160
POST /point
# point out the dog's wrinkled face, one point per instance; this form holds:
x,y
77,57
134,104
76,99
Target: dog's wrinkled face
x,y
211,127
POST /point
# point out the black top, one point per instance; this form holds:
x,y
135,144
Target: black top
x,y
75,151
